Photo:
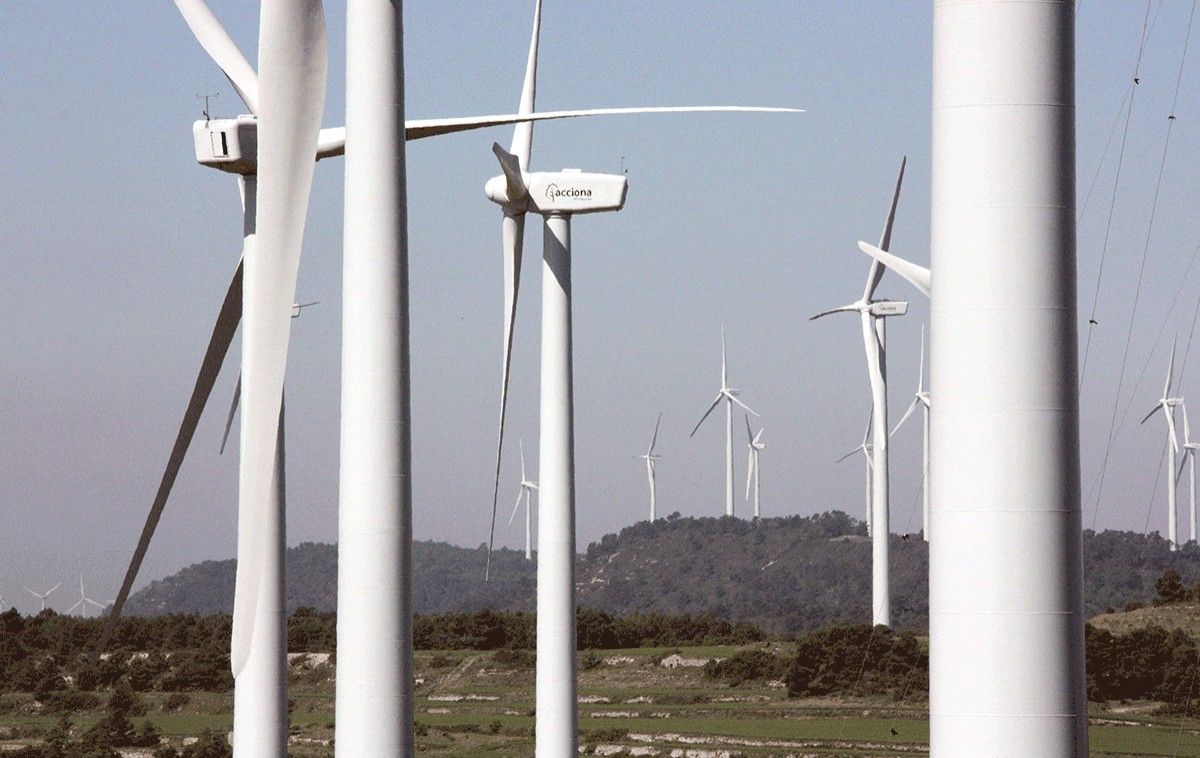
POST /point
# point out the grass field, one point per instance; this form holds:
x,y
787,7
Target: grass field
x,y
469,704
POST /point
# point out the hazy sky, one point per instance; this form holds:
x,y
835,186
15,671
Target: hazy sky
x,y
117,248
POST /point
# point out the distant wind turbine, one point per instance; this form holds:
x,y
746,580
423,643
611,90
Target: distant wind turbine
x,y
865,448
1189,458
873,314
43,595
730,396
1167,405
921,398
83,602
528,487
651,459
755,443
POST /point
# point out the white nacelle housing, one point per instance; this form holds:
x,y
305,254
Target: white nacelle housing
x,y
228,144
572,191
889,308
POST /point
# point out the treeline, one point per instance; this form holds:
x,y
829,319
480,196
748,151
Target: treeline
x,y
49,653
1150,663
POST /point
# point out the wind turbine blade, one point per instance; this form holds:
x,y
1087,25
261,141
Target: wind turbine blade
x,y
293,63
921,369
706,414
918,276
511,166
421,128
512,232
517,505
73,607
885,239
852,308
333,140
1183,463
214,356
52,589
749,472
911,407
847,455
237,394
1187,429
521,444
1170,371
522,143
1148,416
747,408
654,439
1171,429
222,49
724,364
867,430
749,434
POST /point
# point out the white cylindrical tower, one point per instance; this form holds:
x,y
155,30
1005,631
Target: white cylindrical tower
x,y
1172,492
875,337
374,623
556,704
1005,605
260,717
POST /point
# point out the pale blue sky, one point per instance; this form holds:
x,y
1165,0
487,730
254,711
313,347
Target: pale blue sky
x,y
117,247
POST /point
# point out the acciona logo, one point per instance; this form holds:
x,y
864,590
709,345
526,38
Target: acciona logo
x,y
554,192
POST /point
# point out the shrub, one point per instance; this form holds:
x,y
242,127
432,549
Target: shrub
x,y
745,666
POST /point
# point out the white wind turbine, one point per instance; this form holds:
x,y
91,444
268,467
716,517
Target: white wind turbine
x,y
651,458
272,151
872,314
41,596
516,199
528,487
921,398
557,196
1167,404
865,448
756,445
730,396
84,601
1189,459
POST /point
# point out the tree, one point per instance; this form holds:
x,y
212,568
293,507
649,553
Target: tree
x,y
1170,588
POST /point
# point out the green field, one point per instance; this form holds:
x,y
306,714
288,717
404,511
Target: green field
x,y
470,704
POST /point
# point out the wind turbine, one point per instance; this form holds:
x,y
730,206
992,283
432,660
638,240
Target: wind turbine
x,y
754,441
865,448
730,396
921,398
41,596
1167,404
528,487
872,314
557,196
651,459
84,600
1189,458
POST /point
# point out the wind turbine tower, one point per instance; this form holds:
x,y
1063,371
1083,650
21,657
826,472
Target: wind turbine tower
x,y
1005,592
528,487
756,445
921,398
872,314
730,396
1167,405
1189,458
651,458
84,601
41,596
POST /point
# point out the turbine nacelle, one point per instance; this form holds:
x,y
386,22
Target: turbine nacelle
x,y
568,191
228,144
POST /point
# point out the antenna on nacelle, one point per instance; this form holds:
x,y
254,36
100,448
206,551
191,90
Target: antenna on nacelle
x,y
206,97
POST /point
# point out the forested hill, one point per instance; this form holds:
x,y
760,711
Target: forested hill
x,y
785,574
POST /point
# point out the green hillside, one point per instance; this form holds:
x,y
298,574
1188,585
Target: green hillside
x,y
786,574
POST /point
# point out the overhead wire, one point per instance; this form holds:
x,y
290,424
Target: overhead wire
x,y
1113,423
1131,96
